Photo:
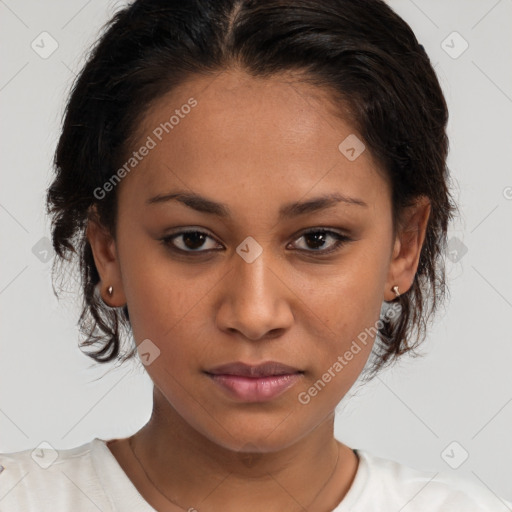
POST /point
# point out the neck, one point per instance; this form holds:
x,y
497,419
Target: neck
x,y
192,471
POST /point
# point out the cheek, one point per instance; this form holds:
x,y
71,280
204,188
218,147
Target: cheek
x,y
162,295
165,310
342,313
346,297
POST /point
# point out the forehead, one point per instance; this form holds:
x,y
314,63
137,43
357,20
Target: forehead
x,y
232,133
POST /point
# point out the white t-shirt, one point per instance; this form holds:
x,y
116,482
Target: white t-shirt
x,y
89,478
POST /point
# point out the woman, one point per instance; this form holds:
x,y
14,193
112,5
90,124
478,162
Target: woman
x,y
256,191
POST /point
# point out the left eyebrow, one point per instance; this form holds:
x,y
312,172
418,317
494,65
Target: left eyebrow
x,y
205,205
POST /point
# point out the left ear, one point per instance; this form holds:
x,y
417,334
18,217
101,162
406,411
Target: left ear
x,y
407,247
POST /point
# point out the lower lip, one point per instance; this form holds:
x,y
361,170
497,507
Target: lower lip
x,y
255,389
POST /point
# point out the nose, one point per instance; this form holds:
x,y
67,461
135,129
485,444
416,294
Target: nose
x,y
255,301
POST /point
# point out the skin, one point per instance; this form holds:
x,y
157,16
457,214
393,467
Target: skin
x,y
253,144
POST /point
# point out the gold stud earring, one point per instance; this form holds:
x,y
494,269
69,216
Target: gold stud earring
x,y
396,291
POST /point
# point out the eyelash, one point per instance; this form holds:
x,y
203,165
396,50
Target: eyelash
x,y
340,241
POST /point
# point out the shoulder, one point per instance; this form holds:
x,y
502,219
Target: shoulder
x,y
384,484
45,478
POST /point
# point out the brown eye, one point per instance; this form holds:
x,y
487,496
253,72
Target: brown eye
x,y
189,241
318,239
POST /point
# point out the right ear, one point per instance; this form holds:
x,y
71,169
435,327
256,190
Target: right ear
x,y
104,251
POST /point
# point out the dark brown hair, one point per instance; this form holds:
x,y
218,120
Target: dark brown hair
x,y
360,51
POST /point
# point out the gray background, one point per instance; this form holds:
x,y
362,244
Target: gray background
x,y
459,392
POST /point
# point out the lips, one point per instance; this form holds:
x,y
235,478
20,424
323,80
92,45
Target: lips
x,y
254,383
267,369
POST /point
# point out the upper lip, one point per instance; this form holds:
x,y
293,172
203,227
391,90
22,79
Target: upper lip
x,y
266,369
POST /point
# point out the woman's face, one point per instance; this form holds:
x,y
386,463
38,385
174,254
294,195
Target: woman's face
x,y
254,288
